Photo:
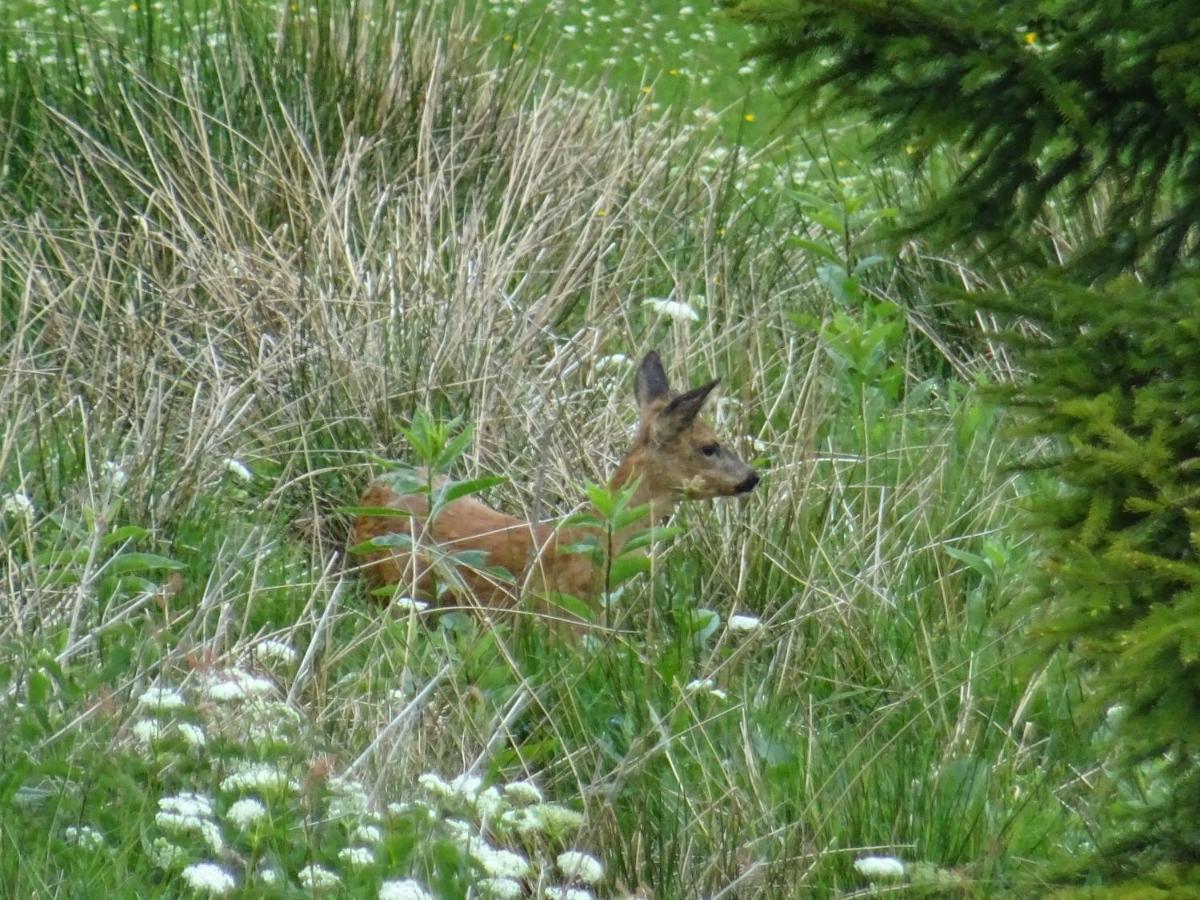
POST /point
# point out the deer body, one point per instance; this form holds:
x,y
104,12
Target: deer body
x,y
675,456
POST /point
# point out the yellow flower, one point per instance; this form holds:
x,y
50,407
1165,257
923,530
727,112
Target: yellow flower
x,y
133,7
672,71
1031,37
645,88
749,117
601,213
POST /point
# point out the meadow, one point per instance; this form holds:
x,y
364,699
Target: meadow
x,y
248,252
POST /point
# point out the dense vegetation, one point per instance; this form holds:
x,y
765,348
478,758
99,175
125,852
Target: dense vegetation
x,y
1083,112
244,251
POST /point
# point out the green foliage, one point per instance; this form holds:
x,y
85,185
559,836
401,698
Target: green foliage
x,y
1045,98
1119,391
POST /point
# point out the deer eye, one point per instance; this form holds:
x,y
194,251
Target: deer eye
x,y
710,449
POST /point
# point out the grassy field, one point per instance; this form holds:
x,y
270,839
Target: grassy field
x,y
240,250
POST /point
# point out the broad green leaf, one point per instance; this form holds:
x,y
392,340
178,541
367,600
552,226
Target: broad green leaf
x,y
142,562
818,249
625,567
124,533
574,606
649,536
384,542
452,490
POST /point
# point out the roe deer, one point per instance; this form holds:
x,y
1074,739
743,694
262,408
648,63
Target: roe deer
x,y
675,456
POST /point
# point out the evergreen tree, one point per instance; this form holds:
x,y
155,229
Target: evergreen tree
x,y
1098,99
1095,102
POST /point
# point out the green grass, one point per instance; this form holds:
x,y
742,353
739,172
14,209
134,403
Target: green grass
x,y
232,269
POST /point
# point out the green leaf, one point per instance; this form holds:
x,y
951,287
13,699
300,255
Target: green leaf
x,y
625,567
824,251
57,558
573,606
471,559
142,562
602,499
380,512
649,536
124,533
704,622
384,542
38,686
452,490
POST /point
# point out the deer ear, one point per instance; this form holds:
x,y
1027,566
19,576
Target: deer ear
x,y
681,412
651,381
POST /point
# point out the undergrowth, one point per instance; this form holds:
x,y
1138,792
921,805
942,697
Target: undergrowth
x,y
234,262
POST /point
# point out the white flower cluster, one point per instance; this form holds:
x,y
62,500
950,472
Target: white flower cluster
x,y
18,505
316,878
84,836
245,812
162,698
879,867
190,814
208,878
272,652
265,778
405,889
235,684
674,309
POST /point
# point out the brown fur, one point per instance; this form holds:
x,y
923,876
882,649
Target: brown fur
x,y
675,456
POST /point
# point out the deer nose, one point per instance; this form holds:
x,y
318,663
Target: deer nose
x,y
747,484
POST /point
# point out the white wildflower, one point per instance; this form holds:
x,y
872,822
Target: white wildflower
x,y
113,473
84,836
409,806
271,651
675,309
566,893
408,603
193,735
349,798
267,875
612,361
577,866
744,623
208,878
879,867
460,832
523,792
187,804
357,857
435,786
263,777
246,812
237,685
466,786
161,698
488,803
368,834
207,830
707,685
166,855
406,889
314,877
238,470
543,817
498,862
147,731
17,504
501,888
